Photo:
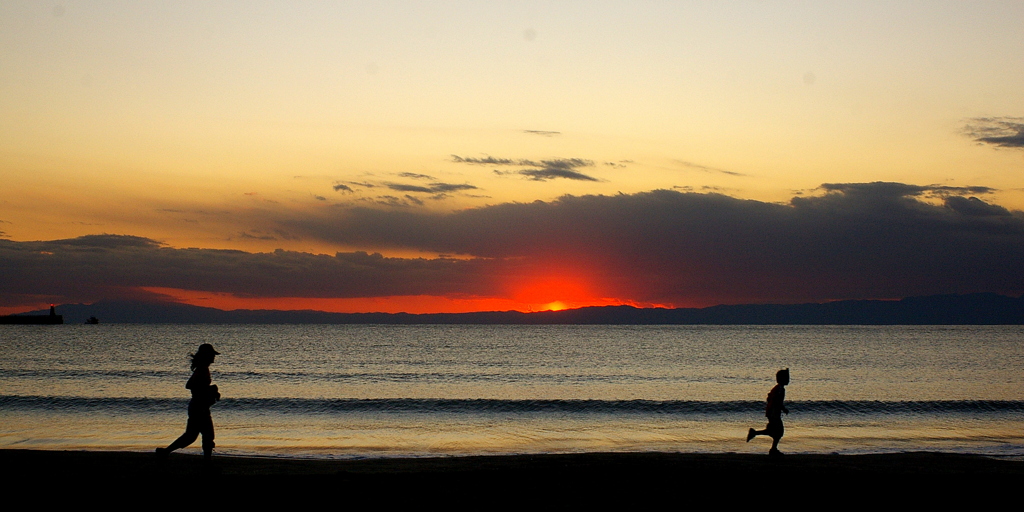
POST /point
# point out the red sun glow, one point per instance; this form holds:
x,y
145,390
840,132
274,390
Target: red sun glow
x,y
547,291
555,293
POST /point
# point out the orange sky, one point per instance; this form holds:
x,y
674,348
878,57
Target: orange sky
x,y
249,127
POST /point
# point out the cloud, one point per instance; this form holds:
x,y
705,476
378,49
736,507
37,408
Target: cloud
x,y
552,173
415,176
565,163
559,168
407,188
490,160
561,163
857,240
387,200
319,198
344,187
433,188
106,241
256,236
451,187
1007,132
889,190
975,207
704,188
847,241
542,170
707,169
89,268
542,133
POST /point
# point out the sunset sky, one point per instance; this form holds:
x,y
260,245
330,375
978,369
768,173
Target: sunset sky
x,y
461,156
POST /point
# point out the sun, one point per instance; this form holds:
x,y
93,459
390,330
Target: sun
x,y
556,306
553,291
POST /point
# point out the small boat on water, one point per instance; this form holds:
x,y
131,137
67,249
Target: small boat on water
x,y
92,320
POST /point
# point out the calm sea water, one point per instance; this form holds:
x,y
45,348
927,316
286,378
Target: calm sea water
x,y
374,390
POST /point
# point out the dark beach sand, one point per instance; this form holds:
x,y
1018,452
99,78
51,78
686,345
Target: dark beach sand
x,y
584,476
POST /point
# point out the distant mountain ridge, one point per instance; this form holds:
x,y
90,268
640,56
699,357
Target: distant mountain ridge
x,y
968,309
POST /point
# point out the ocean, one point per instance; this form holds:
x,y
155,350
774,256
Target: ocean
x,y
356,391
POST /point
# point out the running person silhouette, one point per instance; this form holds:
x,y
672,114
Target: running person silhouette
x,y
773,410
204,394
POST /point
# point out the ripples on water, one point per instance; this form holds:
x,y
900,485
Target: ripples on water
x,y
416,390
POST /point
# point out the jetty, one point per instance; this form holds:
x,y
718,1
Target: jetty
x,y
52,319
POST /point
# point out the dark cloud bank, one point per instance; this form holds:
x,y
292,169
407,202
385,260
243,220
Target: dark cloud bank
x,y
98,267
868,240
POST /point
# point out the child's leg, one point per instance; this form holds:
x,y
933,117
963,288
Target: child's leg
x,y
777,431
754,433
766,432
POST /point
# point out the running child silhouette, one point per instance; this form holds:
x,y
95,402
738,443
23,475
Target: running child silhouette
x,y
773,410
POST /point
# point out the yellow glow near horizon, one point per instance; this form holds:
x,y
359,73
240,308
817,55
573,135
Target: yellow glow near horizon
x,y
556,306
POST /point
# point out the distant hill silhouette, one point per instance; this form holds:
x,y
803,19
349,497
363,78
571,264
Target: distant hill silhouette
x,y
970,309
